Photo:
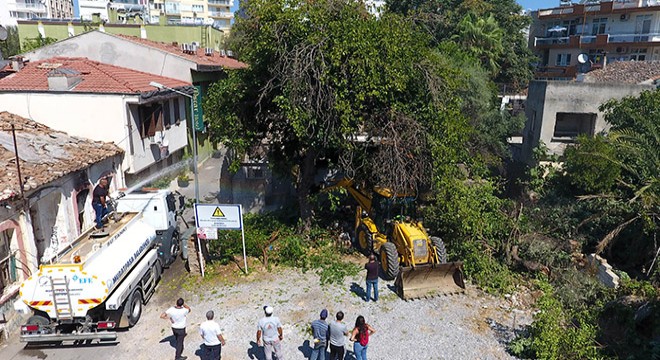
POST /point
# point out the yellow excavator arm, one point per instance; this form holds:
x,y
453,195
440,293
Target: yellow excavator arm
x,y
363,199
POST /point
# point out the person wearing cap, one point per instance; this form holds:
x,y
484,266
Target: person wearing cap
x,y
269,329
213,339
320,332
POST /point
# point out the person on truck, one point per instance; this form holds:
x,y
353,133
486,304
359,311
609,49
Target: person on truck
x,y
98,201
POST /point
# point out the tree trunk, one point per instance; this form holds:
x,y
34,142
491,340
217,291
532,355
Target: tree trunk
x,y
305,181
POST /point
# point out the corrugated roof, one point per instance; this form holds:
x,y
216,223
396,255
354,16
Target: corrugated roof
x,y
45,154
197,57
96,77
626,72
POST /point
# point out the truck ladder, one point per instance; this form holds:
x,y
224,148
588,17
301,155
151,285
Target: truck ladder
x,y
61,298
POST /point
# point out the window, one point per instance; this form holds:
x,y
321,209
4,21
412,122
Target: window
x,y
177,109
7,262
198,8
570,125
598,26
151,120
255,172
563,59
168,119
638,54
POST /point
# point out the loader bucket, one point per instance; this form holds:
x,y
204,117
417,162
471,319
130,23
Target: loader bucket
x,y
424,281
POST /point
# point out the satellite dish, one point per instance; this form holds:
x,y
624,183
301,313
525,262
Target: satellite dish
x,y
3,33
583,58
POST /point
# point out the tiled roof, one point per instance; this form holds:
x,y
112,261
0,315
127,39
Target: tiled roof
x,y
96,77
626,72
198,56
45,154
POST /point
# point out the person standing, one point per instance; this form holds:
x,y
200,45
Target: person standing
x,y
320,333
177,316
372,277
213,339
337,331
98,201
269,328
360,337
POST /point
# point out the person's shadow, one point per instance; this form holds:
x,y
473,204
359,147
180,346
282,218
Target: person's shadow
x,y
200,351
169,339
358,290
255,352
305,349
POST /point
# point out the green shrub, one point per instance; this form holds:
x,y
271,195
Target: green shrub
x,y
558,333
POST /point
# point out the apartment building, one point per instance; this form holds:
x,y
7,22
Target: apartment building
x,y
26,9
211,12
600,31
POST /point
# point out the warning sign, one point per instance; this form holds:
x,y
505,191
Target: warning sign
x,y
228,217
218,213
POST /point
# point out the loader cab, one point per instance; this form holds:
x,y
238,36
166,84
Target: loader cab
x,y
386,207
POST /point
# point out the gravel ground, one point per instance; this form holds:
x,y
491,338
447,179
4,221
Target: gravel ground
x,y
469,326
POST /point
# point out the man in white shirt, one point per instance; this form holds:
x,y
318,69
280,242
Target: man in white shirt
x,y
270,328
213,340
177,316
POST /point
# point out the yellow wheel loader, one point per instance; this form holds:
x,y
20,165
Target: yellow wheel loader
x,y
385,225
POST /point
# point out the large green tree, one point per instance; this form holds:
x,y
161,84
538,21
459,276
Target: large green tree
x,y
330,85
443,18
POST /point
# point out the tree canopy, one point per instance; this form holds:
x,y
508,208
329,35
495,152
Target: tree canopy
x,y
330,85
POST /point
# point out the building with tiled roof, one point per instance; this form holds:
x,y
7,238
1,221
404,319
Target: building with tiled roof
x,y
184,62
626,72
45,197
104,102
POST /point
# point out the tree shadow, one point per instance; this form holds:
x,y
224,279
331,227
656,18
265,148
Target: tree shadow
x,y
255,351
169,339
305,349
503,333
358,290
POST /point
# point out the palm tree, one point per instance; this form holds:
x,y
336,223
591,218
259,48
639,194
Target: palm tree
x,y
481,37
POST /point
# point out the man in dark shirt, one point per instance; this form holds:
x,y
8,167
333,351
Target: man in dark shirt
x,y
98,201
372,277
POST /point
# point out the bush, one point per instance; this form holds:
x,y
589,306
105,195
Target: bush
x,y
314,252
557,333
590,165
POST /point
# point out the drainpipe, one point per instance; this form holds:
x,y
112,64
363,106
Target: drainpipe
x,y
604,60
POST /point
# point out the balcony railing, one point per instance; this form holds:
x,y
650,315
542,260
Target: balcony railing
x,y
220,2
222,14
28,7
591,39
550,41
556,11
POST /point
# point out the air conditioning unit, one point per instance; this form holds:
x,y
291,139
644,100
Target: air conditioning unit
x,y
621,50
624,17
208,51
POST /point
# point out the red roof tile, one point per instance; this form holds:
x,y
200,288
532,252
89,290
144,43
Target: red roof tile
x,y
626,72
96,77
45,154
198,56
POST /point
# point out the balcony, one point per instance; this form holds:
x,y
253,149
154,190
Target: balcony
x,y
601,8
595,40
222,14
34,8
221,2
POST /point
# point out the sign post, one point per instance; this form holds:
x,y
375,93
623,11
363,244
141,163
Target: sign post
x,y
221,217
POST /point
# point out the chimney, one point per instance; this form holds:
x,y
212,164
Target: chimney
x,y
63,79
17,63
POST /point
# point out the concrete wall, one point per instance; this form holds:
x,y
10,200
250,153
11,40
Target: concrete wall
x,y
155,32
103,117
547,98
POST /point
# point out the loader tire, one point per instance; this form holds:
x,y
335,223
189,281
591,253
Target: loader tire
x,y
389,261
440,249
133,307
364,240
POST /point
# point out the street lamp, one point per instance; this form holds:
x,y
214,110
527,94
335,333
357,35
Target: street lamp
x,y
194,131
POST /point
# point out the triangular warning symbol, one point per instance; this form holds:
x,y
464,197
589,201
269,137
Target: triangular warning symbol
x,y
218,213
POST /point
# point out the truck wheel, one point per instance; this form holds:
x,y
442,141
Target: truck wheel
x,y
440,249
365,240
175,247
133,308
37,320
389,261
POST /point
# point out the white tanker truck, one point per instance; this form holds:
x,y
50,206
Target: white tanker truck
x,y
103,278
